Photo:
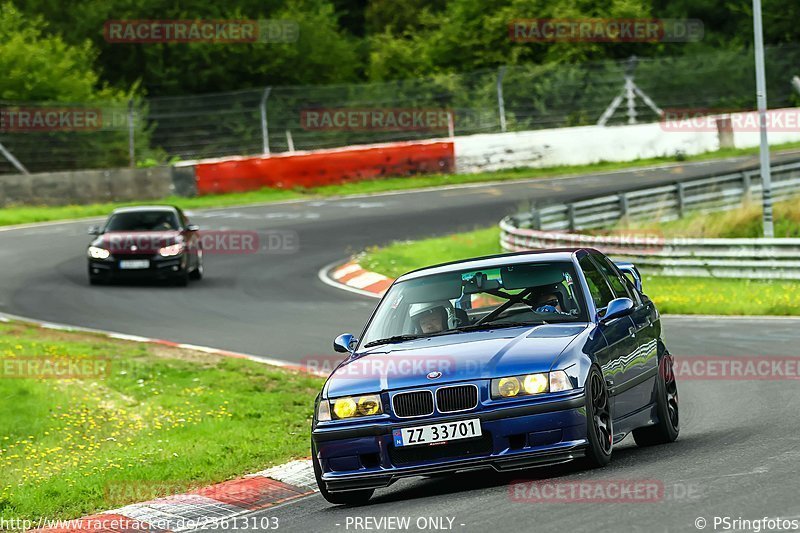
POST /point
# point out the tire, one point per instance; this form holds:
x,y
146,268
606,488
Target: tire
x,y
350,497
197,273
599,423
668,426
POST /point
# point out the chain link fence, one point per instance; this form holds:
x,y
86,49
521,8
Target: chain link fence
x,y
513,98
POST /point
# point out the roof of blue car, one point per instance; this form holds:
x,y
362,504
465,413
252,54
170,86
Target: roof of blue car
x,y
492,261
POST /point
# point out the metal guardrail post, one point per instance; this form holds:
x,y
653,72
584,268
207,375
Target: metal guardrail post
x,y
264,125
747,183
571,216
536,219
623,205
680,194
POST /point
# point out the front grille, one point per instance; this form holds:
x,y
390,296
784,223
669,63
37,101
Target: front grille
x,y
415,403
451,450
460,398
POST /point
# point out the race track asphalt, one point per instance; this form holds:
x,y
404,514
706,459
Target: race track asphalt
x,y
739,447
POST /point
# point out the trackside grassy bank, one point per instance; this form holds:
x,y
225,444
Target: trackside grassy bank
x,y
672,295
11,215
128,422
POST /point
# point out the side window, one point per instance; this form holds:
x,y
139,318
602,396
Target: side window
x,y
601,292
617,285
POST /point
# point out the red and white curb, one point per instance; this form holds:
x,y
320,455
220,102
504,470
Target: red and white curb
x,y
353,277
206,507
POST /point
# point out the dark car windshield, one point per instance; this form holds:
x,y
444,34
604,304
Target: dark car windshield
x,y
143,221
469,300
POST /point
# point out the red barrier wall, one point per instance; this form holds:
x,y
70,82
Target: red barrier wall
x,y
312,169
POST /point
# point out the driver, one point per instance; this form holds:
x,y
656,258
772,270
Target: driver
x,y
430,318
548,303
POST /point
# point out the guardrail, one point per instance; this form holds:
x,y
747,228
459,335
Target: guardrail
x,y
558,226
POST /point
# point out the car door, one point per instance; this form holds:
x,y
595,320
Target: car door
x,y
637,382
619,333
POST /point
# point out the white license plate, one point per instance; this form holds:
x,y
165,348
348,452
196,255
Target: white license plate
x,y
446,431
134,264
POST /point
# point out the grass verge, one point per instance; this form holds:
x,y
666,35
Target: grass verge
x,y
137,422
30,214
743,222
692,296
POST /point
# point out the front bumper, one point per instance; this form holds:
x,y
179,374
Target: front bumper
x,y
161,268
539,434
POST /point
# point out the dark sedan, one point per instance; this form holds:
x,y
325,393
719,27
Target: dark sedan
x,y
503,362
148,242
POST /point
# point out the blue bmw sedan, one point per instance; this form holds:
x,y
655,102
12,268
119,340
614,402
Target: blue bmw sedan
x,y
506,362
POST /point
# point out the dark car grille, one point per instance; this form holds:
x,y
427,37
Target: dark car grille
x,y
416,403
460,398
451,450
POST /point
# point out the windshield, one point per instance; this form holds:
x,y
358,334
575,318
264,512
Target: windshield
x,y
143,221
503,296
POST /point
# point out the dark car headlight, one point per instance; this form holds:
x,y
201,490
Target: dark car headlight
x,y
350,407
531,384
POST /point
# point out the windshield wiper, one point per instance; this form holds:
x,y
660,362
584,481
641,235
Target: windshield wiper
x,y
495,325
395,338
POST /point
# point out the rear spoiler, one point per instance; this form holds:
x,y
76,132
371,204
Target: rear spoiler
x,y
630,270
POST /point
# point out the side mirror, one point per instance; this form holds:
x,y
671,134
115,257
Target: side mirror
x,y
617,309
94,230
344,342
192,227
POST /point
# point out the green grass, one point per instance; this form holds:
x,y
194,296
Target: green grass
x,y
29,214
694,296
743,222
162,420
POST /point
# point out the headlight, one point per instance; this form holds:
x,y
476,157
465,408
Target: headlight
x,y
530,384
169,251
98,253
350,407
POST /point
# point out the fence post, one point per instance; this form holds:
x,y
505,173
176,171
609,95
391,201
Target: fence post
x,y
501,106
623,205
536,219
681,197
289,140
747,181
13,160
131,134
571,216
264,128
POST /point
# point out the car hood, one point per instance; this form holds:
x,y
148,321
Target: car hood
x,y
461,356
137,242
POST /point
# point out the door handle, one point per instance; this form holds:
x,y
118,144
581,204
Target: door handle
x,y
632,331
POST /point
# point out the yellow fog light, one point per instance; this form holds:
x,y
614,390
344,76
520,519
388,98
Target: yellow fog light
x,y
344,408
369,405
535,383
508,387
